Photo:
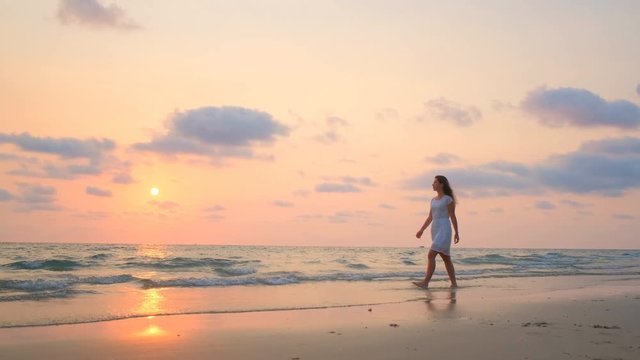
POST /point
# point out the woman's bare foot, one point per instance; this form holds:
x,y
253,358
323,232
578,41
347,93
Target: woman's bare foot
x,y
421,284
453,286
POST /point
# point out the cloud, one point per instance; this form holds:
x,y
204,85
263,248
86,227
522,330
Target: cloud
x,y
336,188
345,184
620,146
216,132
282,203
450,111
328,137
14,157
92,215
545,205
574,204
342,217
607,167
94,151
94,14
36,197
638,89
335,121
90,190
213,212
165,205
485,180
214,208
331,135
386,206
67,148
358,180
36,193
442,158
623,217
123,178
214,217
387,114
580,108
5,195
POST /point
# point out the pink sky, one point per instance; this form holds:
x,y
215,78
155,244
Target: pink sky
x,y
319,123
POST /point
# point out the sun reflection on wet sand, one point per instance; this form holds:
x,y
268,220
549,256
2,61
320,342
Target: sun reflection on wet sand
x,y
152,302
152,331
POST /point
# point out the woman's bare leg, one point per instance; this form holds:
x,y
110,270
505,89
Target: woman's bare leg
x,y
450,270
431,267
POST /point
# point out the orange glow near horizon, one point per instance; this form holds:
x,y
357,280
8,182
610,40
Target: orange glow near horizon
x,y
322,130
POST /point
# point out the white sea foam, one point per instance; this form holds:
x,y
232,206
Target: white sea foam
x,y
46,272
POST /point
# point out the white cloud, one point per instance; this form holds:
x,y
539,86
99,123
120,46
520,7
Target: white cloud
x,y
213,213
545,205
123,178
442,158
331,135
5,195
36,197
67,148
386,206
94,14
607,167
328,137
165,205
342,217
345,184
91,190
574,204
581,108
450,111
94,152
214,208
336,188
216,132
282,203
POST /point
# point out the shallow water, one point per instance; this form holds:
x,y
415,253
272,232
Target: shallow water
x,y
44,284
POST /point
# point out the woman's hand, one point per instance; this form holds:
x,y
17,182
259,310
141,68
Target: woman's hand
x,y
456,239
419,234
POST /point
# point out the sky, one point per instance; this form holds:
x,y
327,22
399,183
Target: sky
x,y
319,123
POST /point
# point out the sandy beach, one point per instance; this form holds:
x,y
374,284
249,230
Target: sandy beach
x,y
584,317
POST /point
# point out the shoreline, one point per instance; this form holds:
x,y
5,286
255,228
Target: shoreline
x,y
534,318
351,295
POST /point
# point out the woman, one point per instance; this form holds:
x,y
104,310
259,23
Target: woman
x,y
441,215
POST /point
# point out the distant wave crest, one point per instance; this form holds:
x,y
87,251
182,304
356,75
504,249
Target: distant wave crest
x,y
52,265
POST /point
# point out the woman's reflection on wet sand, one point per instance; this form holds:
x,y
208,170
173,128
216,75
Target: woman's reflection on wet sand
x,y
441,301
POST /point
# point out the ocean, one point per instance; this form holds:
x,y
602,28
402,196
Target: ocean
x,y
53,284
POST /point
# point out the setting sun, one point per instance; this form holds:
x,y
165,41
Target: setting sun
x,y
155,191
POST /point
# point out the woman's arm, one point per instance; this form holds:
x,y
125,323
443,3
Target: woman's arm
x,y
425,225
454,221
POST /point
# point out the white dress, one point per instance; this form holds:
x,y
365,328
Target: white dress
x,y
440,225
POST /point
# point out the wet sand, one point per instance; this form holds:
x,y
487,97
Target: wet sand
x,y
529,318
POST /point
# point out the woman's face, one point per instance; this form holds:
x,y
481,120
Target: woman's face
x,y
436,185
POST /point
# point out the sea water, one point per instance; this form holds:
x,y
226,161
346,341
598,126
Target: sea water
x,y
50,284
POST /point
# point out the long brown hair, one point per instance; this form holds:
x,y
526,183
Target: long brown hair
x,y
446,187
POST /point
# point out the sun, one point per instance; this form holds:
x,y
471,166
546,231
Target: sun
x,y
155,191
